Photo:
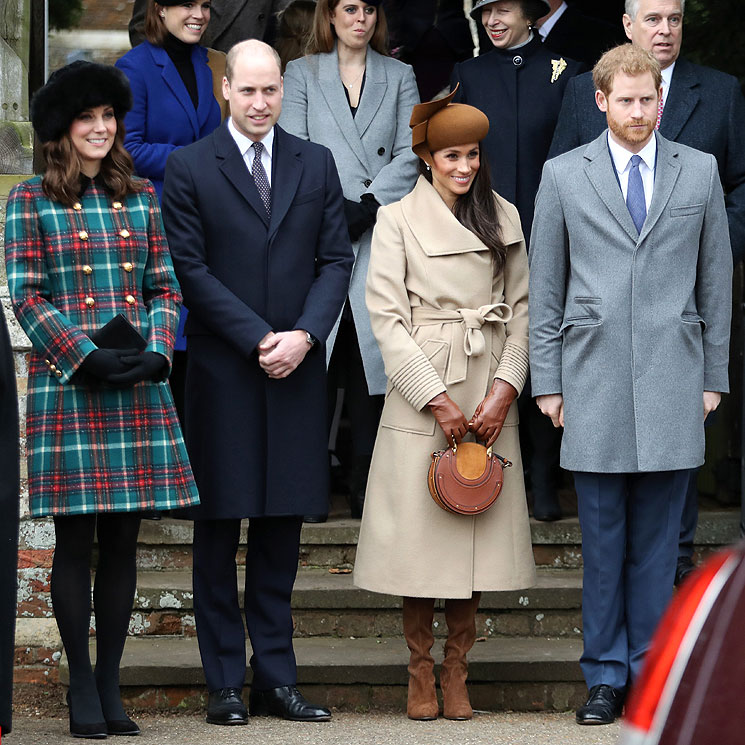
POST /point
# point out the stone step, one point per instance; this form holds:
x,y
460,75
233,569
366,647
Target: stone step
x,y
520,674
326,604
166,544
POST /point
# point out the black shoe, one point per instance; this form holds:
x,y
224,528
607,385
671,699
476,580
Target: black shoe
x,y
91,731
603,705
122,727
683,569
286,702
315,518
226,706
546,505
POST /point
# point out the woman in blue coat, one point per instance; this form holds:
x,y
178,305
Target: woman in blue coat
x,y
173,106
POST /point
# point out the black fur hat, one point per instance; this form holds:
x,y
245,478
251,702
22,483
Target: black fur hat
x,y
74,88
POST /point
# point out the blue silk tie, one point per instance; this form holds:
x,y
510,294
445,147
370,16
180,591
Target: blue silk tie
x,y
635,199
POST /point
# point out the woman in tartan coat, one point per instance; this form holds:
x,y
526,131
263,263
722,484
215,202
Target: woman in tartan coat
x,y
83,244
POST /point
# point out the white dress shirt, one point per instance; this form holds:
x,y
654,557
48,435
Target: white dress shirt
x,y
248,153
622,161
547,26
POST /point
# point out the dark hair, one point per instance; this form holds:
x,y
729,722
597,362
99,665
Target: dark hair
x,y
61,180
155,28
294,27
323,36
477,209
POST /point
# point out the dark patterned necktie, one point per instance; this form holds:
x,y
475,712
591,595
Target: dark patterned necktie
x,y
635,199
262,182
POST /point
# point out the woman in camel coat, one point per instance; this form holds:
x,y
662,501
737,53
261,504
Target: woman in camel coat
x,y
451,317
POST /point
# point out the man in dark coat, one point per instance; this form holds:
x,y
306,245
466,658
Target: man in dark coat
x,y
230,22
702,108
565,30
8,522
255,221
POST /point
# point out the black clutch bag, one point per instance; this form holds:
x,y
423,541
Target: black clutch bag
x,y
119,333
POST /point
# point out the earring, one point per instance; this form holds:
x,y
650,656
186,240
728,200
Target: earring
x,y
428,168
162,14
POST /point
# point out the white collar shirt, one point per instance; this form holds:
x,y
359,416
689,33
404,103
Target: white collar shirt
x,y
622,162
547,26
248,153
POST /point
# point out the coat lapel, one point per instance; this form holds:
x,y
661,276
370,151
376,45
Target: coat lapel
x,y
376,84
601,173
332,90
682,99
666,174
205,91
235,170
287,167
223,15
172,79
434,226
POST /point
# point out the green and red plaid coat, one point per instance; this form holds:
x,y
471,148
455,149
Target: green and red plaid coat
x,y
70,270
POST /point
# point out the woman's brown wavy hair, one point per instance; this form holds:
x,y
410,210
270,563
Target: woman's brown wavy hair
x,y
62,171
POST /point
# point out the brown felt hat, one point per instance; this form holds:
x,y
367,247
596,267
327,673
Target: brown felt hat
x,y
436,125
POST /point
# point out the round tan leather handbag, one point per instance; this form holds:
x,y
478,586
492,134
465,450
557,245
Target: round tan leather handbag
x,y
466,479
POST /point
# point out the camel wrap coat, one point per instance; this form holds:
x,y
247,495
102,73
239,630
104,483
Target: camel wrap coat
x,y
444,322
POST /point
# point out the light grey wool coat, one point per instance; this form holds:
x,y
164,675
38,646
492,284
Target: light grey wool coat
x,y
372,151
445,321
630,328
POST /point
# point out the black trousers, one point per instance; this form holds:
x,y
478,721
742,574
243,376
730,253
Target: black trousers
x,y
271,566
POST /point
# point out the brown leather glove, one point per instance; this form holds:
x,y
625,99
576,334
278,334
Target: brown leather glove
x,y
450,418
486,422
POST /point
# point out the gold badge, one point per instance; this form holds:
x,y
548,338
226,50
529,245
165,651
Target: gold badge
x,y
558,66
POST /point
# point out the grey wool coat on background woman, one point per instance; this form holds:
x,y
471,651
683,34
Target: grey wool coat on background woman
x,y
438,312
372,151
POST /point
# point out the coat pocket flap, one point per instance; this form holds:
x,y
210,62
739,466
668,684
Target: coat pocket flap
x,y
580,321
692,209
688,317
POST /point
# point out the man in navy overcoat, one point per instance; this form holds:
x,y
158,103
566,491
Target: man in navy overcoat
x,y
702,108
255,222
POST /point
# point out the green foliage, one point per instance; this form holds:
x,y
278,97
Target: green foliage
x,y
65,13
714,35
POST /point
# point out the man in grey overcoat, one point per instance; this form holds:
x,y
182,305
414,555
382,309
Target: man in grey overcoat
x,y
630,276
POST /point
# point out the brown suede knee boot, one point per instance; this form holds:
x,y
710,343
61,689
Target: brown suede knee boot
x,y
460,616
418,617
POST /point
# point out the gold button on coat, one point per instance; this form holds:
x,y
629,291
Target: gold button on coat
x,y
58,373
83,235
53,368
90,302
130,299
117,205
77,206
127,266
124,233
87,269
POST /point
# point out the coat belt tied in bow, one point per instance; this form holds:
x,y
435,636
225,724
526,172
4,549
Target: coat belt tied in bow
x,y
470,322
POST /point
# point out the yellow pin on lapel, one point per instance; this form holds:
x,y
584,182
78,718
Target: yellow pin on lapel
x,y
558,66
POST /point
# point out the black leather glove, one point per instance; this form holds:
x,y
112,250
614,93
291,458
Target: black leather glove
x,y
360,215
101,364
449,417
145,366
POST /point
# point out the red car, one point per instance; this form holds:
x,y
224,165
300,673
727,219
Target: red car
x,y
692,688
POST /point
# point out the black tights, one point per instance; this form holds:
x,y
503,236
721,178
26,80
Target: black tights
x,y
94,696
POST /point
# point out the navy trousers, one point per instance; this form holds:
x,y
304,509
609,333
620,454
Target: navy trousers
x,y
630,525
272,553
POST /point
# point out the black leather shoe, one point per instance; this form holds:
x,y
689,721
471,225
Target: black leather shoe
x,y
683,569
315,518
603,705
546,506
285,702
122,727
226,706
